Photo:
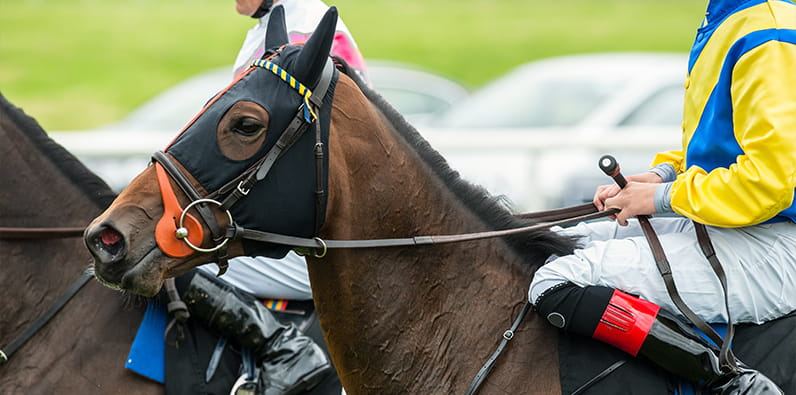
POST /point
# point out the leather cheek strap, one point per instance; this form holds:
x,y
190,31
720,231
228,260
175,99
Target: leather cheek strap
x,y
166,229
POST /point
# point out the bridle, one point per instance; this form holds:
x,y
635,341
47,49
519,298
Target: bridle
x,y
186,229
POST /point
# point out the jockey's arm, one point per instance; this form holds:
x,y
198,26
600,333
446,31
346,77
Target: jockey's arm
x,y
760,184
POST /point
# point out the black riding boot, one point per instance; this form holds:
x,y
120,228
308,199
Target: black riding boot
x,y
642,328
291,362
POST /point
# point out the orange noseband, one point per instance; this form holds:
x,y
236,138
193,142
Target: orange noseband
x,y
166,236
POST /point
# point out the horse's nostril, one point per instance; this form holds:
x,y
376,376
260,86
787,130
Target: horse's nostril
x,y
111,240
109,248
106,243
110,236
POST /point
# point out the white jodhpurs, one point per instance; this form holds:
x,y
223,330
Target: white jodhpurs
x,y
268,278
760,263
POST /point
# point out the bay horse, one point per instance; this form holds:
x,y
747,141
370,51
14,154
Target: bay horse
x,y
397,319
295,153
82,349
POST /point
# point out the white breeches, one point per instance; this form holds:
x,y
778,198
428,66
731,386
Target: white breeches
x,y
760,263
268,278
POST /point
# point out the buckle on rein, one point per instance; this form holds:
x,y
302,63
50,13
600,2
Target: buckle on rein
x,y
312,251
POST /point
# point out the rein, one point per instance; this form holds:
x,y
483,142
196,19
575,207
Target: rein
x,y
60,302
555,218
40,233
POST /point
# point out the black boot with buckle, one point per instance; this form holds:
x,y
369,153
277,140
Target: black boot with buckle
x,y
642,328
290,361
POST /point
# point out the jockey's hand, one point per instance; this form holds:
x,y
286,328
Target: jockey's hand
x,y
605,192
637,198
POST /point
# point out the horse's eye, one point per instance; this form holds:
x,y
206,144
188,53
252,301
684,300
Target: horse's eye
x,y
246,126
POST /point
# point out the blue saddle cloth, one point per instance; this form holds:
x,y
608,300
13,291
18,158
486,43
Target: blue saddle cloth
x,y
148,353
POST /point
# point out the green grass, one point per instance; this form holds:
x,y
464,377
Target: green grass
x,y
76,64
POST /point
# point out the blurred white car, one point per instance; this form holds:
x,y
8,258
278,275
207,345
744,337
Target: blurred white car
x,y
536,134
417,93
119,151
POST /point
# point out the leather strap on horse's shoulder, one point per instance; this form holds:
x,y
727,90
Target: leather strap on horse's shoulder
x,y
490,363
43,319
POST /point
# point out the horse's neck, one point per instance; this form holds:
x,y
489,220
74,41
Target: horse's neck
x,y
35,193
416,316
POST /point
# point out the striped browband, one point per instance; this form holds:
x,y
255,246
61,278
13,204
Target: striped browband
x,y
309,112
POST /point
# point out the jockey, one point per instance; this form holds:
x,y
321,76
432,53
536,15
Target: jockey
x,y
736,173
301,17
291,361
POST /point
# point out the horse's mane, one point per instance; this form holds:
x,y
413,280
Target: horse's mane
x,y
89,183
493,210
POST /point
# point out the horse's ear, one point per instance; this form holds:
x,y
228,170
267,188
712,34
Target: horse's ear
x,y
276,31
316,50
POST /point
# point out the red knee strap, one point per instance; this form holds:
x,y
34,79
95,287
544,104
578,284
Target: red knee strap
x,y
626,322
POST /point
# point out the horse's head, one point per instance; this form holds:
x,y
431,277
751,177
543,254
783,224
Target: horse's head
x,y
260,140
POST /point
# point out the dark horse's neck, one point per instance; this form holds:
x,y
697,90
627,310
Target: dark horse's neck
x,y
43,185
423,319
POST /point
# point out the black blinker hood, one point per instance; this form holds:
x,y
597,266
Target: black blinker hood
x,y
284,201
